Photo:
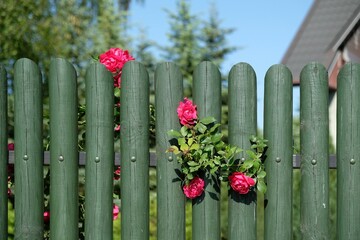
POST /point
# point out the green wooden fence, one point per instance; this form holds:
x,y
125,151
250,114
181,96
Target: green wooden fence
x,y
135,158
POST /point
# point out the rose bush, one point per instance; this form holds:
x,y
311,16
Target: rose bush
x,y
241,183
200,149
194,188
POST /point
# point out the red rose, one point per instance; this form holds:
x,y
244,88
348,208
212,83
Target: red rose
x,y
187,112
117,79
46,216
116,211
241,183
195,188
117,173
11,147
114,59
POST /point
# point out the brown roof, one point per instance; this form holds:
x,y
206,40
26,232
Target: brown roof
x,y
325,29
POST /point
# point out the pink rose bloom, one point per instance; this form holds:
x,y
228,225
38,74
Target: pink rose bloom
x,y
195,188
117,80
117,173
187,112
116,211
241,183
11,147
46,216
115,58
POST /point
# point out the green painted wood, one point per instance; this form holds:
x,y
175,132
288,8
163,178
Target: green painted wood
x,y
99,152
29,200
207,97
63,150
242,124
171,200
314,144
134,135
279,155
348,152
3,154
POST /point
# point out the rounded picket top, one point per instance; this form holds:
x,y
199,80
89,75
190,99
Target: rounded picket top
x,y
347,73
314,70
207,90
241,67
62,64
134,68
25,66
278,69
242,99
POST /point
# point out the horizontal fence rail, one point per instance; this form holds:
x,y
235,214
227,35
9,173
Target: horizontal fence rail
x,y
153,159
135,156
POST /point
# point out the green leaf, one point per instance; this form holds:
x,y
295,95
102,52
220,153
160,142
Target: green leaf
x,y
192,163
248,164
173,149
206,140
184,131
195,146
117,92
251,154
200,127
217,161
173,133
207,120
190,141
213,170
261,174
261,186
184,147
216,138
181,141
214,128
209,148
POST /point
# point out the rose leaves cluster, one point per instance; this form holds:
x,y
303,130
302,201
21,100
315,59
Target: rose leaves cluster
x,y
200,149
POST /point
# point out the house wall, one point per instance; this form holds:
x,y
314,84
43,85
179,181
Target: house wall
x,y
332,117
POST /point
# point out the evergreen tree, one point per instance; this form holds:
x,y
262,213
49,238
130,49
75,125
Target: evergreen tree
x,y
185,47
194,40
213,39
109,28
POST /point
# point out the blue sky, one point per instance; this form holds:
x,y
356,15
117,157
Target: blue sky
x,y
263,30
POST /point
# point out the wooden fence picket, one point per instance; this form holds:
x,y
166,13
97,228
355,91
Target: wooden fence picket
x,y
28,127
207,97
170,200
134,121
242,124
348,152
278,163
63,150
3,154
314,140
